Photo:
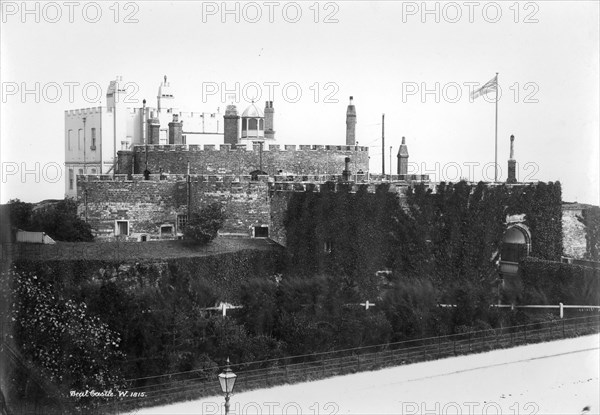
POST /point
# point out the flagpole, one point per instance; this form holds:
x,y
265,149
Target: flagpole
x,y
496,140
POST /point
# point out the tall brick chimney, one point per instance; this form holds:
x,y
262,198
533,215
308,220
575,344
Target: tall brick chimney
x,y
231,121
403,158
269,120
153,130
346,172
512,163
351,124
175,130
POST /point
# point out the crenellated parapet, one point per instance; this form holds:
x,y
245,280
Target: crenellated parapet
x,y
244,159
244,147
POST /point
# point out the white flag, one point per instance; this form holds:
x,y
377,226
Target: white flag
x,y
491,85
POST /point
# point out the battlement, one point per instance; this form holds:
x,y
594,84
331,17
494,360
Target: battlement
x,y
172,178
244,147
85,111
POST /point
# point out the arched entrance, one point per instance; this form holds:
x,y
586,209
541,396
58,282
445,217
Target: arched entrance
x,y
516,245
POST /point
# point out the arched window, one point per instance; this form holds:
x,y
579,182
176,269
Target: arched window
x,y
252,124
244,124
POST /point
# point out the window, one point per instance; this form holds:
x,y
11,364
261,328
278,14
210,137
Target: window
x,y
252,124
93,139
69,138
121,227
244,124
261,231
166,230
71,177
81,172
181,222
93,171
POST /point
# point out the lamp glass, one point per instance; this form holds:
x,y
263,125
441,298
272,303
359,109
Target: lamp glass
x,y
227,380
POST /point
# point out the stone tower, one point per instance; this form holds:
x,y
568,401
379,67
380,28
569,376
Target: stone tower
x,y
231,123
175,131
351,124
269,114
512,163
403,158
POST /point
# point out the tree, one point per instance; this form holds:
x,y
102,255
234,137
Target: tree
x,y
59,220
202,227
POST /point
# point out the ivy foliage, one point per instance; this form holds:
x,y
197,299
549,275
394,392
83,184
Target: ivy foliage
x,y
450,236
549,282
71,346
203,226
59,220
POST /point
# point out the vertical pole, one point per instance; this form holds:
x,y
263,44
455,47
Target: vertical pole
x,y
189,192
390,162
496,139
84,151
562,312
383,145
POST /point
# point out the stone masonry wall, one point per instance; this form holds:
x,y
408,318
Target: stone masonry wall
x,y
574,243
148,204
303,160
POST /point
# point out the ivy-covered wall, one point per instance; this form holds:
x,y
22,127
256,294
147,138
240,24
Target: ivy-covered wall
x,y
549,282
450,235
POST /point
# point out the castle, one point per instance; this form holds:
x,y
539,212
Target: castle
x,y
147,188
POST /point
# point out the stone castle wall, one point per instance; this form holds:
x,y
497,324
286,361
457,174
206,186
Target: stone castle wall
x,y
238,160
150,204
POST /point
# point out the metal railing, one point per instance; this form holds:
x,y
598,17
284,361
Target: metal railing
x,y
173,387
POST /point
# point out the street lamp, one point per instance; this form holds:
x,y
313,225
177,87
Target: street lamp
x,y
227,380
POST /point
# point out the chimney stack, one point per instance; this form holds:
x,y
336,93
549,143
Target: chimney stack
x,y
346,172
403,158
269,121
175,131
231,121
153,129
512,163
351,124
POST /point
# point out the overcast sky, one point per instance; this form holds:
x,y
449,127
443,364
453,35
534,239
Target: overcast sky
x,y
385,54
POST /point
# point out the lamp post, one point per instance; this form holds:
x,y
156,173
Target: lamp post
x,y
227,380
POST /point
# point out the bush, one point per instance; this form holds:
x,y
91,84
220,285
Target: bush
x,y
548,282
204,225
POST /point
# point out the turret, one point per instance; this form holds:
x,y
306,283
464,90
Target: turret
x,y
403,158
351,124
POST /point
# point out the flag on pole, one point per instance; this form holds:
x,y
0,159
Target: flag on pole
x,y
490,86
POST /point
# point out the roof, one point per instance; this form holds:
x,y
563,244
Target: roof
x,y
252,111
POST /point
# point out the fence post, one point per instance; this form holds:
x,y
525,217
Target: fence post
x,y
563,328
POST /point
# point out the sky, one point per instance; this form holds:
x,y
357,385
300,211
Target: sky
x,y
415,62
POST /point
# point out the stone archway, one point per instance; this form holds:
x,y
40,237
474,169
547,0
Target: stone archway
x,y
516,245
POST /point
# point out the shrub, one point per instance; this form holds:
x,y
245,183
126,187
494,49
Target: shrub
x,y
204,225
